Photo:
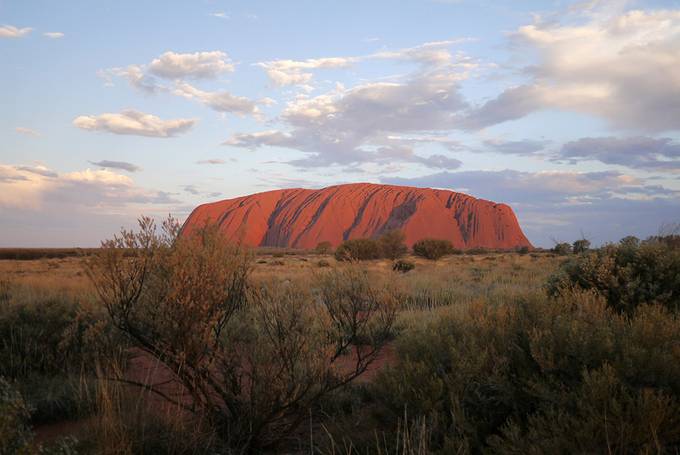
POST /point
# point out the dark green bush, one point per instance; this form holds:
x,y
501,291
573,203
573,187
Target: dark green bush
x,y
523,250
323,263
358,250
538,376
403,266
432,249
562,249
15,432
580,246
626,275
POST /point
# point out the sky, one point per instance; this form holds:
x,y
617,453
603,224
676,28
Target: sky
x,y
567,111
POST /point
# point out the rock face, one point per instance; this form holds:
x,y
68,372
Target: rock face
x,y
302,218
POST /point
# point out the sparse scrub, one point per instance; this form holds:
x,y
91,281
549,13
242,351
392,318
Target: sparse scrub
x,y
514,378
478,358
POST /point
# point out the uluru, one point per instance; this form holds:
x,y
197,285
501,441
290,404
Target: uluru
x,y
302,218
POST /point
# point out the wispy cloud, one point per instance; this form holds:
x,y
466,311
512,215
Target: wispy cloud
x,y
213,161
10,31
123,165
27,131
54,35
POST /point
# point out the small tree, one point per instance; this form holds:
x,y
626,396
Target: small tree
x,y
358,250
581,246
252,360
432,249
324,247
392,244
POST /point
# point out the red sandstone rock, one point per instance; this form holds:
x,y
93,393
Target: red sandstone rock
x,y
302,218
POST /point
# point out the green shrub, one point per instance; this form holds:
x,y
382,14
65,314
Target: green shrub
x,y
538,376
403,266
630,242
50,344
48,335
15,432
625,275
432,249
323,263
392,244
523,250
358,250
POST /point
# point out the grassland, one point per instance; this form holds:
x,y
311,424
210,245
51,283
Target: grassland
x,y
480,360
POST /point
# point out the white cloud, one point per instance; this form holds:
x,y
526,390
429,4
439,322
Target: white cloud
x,y
197,65
54,35
296,72
10,31
220,15
621,66
134,123
363,123
36,187
220,101
27,131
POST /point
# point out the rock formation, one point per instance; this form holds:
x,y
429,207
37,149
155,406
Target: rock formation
x,y
301,218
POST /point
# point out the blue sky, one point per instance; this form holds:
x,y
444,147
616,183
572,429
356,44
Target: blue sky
x,y
568,111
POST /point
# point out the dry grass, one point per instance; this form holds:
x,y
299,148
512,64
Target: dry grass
x,y
426,291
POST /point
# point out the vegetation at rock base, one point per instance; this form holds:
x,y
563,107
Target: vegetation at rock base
x,y
194,346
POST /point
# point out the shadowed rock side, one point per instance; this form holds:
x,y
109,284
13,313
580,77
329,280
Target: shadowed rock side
x,y
300,218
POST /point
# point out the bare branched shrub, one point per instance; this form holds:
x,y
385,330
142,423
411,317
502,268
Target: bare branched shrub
x,y
252,359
